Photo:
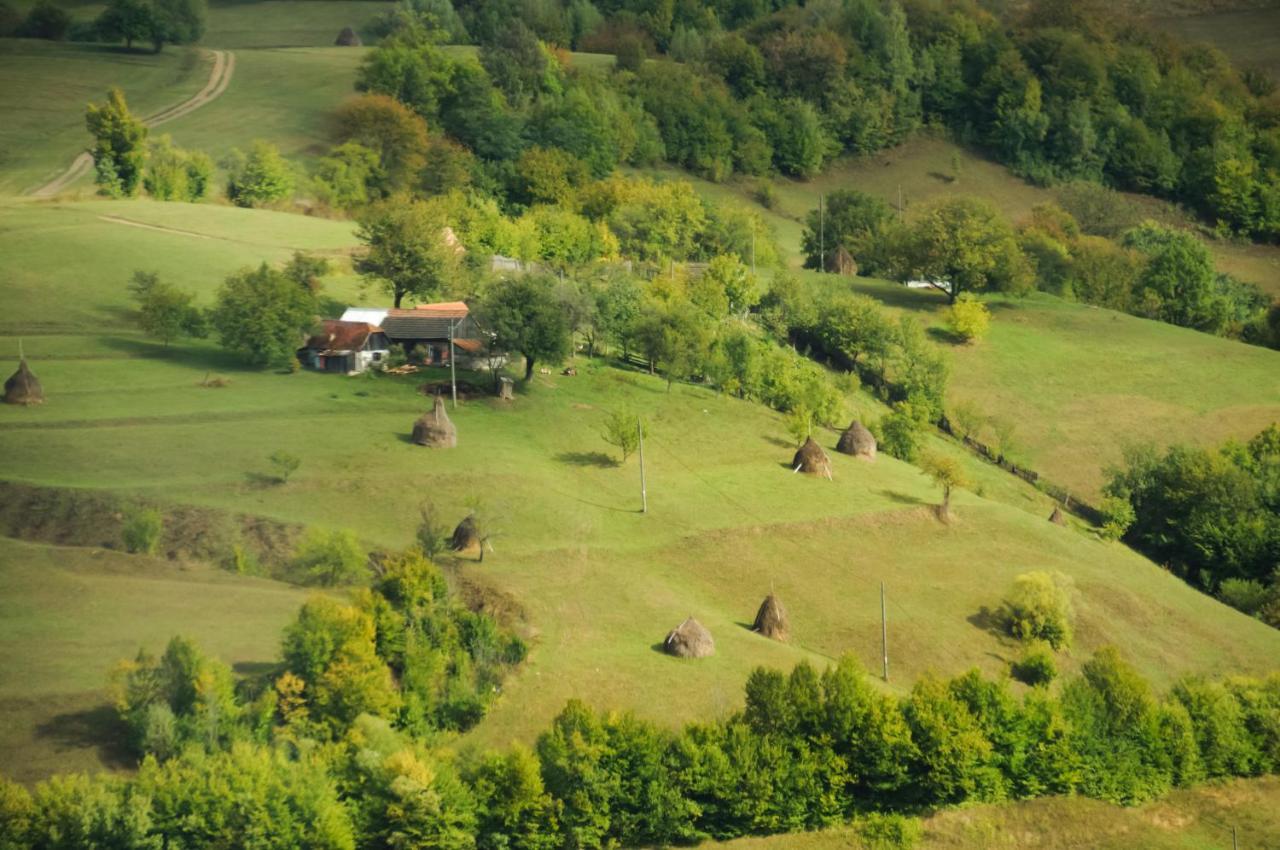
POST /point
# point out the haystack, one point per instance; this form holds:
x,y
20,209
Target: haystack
x,y
771,619
347,38
689,640
1057,517
23,387
434,429
466,537
812,460
857,441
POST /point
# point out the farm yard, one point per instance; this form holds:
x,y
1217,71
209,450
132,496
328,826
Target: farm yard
x,y
247,471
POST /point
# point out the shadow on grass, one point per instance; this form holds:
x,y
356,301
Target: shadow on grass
x,y
900,498
942,178
596,459
99,728
780,443
201,357
988,621
945,336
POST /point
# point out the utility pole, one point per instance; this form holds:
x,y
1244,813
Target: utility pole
x,y
899,202
644,493
1234,844
884,634
822,236
453,372
753,248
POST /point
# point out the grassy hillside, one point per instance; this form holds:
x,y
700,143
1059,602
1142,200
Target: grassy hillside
x,y
1082,382
68,615
47,85
599,583
1199,819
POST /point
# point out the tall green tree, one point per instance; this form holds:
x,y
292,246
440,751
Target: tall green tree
x,y
523,314
119,149
127,21
177,22
263,315
410,250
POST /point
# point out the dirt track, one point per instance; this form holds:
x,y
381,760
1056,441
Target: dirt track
x,y
224,65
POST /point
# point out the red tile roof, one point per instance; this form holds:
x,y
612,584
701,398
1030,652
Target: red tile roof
x,y
338,335
442,310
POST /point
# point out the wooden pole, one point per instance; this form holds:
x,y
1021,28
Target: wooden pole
x,y
1234,844
822,236
884,634
644,493
453,372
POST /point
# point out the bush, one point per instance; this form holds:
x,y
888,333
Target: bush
x,y
259,178
899,434
433,531
1117,516
331,557
968,318
889,831
285,465
1039,608
45,20
142,528
1243,594
1036,667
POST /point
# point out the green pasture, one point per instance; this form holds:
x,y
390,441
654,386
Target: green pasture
x,y
1196,819
600,584
47,85
68,615
288,23
1247,36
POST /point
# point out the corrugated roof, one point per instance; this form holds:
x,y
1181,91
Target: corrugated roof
x,y
423,324
371,315
337,335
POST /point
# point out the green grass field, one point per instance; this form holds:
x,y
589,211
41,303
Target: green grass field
x,y
68,615
47,85
599,583
1197,819
1247,36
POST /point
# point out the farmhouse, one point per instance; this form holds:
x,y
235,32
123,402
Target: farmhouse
x,y
346,347
425,331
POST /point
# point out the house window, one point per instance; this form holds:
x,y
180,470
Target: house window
x,y
377,356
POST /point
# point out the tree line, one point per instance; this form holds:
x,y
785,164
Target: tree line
x,y
808,749
157,22
1212,515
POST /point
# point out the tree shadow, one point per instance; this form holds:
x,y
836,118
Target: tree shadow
x,y
200,357
900,498
944,335
99,728
988,621
596,459
942,178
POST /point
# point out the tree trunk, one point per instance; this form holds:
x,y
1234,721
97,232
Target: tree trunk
x,y
528,367
399,297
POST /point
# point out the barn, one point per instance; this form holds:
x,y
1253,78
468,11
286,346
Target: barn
x,y
346,347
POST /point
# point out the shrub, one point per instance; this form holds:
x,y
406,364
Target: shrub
x,y
1117,516
1243,594
259,178
889,831
899,433
1036,667
1038,607
285,465
142,528
968,318
433,531
331,557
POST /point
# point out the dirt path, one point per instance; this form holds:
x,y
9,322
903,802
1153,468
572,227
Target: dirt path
x,y
224,65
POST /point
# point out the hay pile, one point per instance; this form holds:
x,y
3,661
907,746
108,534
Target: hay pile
x,y
435,429
347,38
857,441
1057,517
812,460
466,537
690,639
772,620
23,387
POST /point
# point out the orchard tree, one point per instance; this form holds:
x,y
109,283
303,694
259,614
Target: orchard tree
x,y
409,249
127,21
523,314
164,311
851,220
961,245
623,430
177,22
263,315
259,178
947,473
119,150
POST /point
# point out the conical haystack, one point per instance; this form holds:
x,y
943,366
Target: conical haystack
x,y
857,441
347,38
771,619
434,429
466,537
23,387
1057,517
689,640
812,460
